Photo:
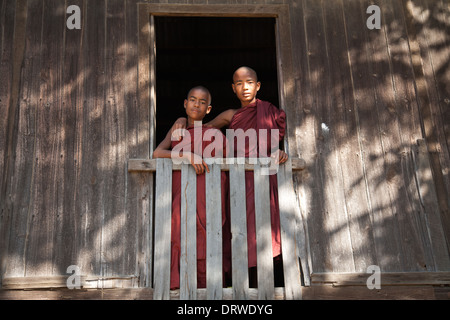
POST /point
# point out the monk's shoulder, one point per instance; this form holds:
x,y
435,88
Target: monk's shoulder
x,y
272,108
231,112
228,114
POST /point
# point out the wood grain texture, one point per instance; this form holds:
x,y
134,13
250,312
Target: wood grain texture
x,y
213,233
188,225
239,248
163,214
264,256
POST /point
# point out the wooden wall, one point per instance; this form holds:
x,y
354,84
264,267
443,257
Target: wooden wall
x,y
71,118
76,120
365,97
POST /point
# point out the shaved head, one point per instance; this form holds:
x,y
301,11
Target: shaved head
x,y
249,70
201,88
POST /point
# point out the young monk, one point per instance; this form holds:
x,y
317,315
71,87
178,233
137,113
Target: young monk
x,y
197,105
255,114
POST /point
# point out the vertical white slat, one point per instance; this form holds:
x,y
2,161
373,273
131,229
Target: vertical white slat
x,y
163,215
264,256
288,211
213,233
188,225
238,218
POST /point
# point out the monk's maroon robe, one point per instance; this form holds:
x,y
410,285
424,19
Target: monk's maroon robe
x,y
260,115
201,214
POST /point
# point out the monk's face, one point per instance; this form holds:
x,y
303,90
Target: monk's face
x,y
197,104
245,85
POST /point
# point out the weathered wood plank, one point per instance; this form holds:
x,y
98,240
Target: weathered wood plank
x,y
140,193
433,227
312,293
404,113
40,282
213,233
263,235
163,214
188,225
89,195
63,281
54,132
331,250
13,24
239,249
306,181
112,294
387,235
301,115
339,143
48,185
315,192
405,282
372,96
420,218
9,56
72,90
286,78
138,115
347,130
150,164
117,225
290,235
150,44
386,278
217,10
139,184
362,293
426,27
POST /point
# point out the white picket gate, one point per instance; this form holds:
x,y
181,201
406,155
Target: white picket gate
x,y
292,232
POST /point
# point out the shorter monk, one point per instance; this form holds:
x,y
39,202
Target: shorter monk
x,y
197,105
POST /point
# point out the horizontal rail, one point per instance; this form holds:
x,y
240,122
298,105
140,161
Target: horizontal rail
x,y
351,279
65,281
249,164
386,278
317,292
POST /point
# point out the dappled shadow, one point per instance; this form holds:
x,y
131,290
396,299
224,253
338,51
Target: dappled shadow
x,y
360,115
78,121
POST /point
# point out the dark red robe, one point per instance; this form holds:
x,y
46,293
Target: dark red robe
x,y
201,216
260,115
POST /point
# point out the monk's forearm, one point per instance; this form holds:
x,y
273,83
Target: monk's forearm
x,y
161,153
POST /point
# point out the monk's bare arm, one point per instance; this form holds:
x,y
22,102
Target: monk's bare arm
x,y
222,120
180,123
163,149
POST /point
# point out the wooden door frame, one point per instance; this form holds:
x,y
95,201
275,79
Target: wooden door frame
x,y
147,53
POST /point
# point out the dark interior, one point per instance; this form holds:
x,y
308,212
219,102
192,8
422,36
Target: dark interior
x,y
206,51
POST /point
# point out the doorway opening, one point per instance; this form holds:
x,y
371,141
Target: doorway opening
x,y
206,51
